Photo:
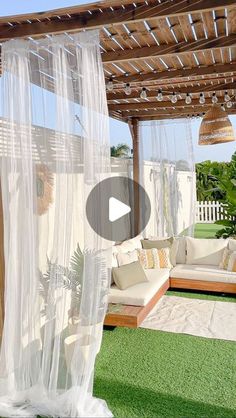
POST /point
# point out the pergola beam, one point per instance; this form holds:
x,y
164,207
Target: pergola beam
x,y
174,116
152,93
109,16
155,105
168,49
180,73
196,110
134,130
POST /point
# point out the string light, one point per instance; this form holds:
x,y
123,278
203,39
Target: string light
x,y
229,104
174,98
143,94
214,98
159,95
227,97
110,85
188,99
127,89
202,99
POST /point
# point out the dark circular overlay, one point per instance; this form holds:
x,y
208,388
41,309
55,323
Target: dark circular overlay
x,y
123,189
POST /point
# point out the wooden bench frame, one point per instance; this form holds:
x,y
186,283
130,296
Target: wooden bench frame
x,y
132,316
192,284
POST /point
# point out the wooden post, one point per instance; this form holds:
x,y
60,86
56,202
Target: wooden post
x,y
134,129
2,266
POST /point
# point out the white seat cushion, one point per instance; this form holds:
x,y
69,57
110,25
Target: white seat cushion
x,y
140,294
205,273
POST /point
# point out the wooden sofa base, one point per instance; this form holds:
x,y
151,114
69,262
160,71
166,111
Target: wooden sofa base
x,y
191,284
132,316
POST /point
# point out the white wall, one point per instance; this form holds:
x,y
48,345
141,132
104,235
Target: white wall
x,y
186,193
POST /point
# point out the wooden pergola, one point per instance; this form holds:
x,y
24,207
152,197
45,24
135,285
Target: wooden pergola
x,y
173,46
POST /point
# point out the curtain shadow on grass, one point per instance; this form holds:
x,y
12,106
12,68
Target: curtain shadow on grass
x,y
126,401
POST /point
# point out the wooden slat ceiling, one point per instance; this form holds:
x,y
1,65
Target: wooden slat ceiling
x,y
181,46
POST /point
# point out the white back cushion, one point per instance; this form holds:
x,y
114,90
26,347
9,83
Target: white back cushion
x,y
232,244
181,251
127,258
205,251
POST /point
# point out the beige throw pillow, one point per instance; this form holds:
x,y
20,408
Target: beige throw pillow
x,y
170,243
128,275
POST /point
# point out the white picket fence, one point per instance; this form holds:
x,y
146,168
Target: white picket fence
x,y
209,212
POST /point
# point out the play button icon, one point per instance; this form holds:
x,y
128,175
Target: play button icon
x,y
113,210
117,209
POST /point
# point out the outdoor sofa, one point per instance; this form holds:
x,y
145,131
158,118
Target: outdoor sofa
x,y
197,268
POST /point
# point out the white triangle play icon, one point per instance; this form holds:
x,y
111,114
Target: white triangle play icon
x,y
117,209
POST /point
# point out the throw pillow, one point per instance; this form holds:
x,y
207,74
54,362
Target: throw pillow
x,y
225,259
154,258
232,262
148,258
128,275
127,258
228,261
171,243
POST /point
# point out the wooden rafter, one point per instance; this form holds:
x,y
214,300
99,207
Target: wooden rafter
x,y
168,50
102,14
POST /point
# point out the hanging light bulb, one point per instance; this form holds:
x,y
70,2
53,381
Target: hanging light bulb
x,y
159,95
174,98
127,89
223,107
229,104
143,94
188,99
214,98
227,97
202,99
110,85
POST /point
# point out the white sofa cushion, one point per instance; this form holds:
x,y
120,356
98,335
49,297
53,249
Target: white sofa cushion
x,y
127,258
140,294
205,251
128,245
206,273
232,244
181,251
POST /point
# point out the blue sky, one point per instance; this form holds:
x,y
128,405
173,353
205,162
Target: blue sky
x,y
119,132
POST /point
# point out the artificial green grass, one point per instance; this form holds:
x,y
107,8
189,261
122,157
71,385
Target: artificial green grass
x,y
145,373
206,230
205,295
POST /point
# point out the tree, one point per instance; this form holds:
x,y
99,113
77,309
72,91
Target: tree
x,y
120,151
207,179
227,184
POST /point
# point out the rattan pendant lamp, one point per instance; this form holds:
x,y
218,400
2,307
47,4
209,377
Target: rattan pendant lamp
x,y
216,127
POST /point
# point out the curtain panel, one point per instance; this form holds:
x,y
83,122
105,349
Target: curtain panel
x,y
54,150
167,171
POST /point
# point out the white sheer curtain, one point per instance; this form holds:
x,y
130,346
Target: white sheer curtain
x,y
168,175
54,150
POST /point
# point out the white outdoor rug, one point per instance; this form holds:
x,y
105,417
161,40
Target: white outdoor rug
x,y
203,318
